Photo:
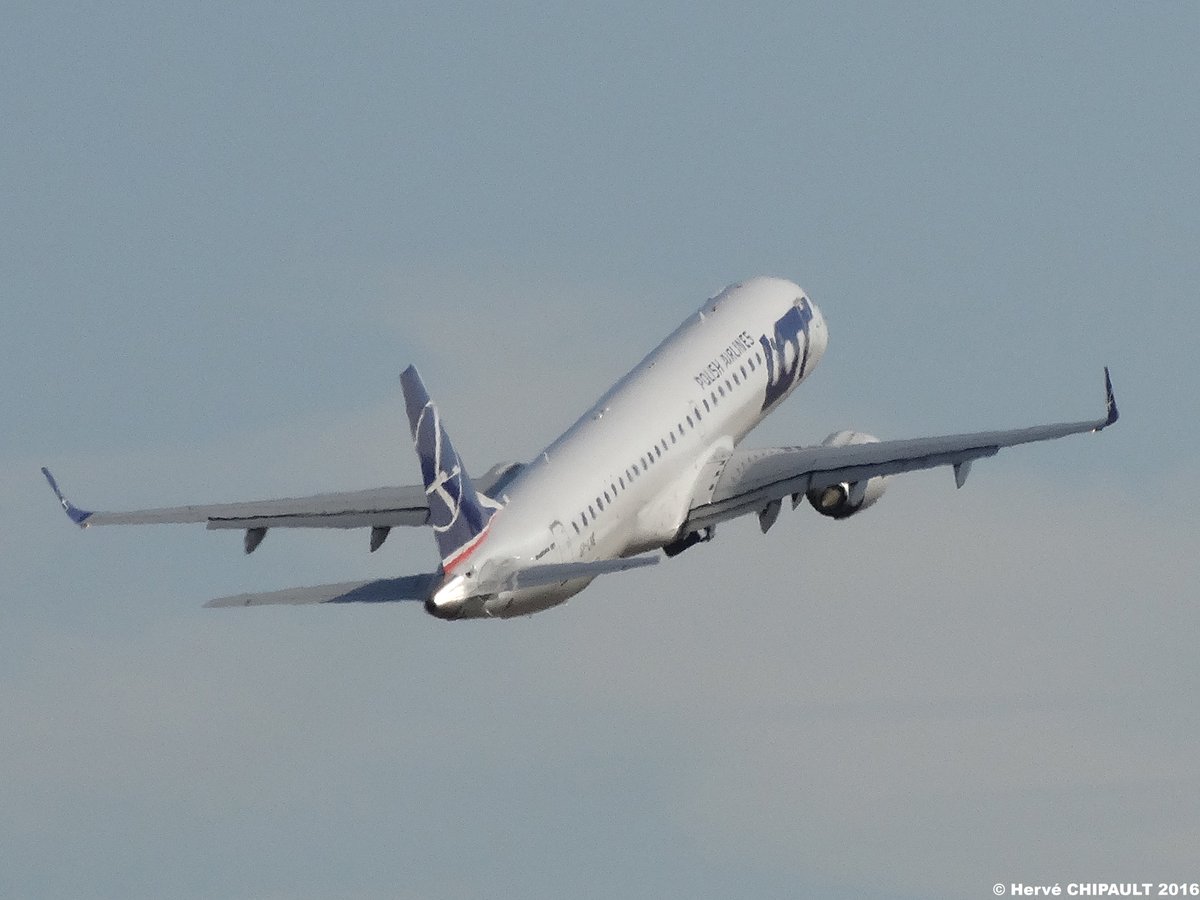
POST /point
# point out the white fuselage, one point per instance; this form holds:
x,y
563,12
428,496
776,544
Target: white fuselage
x,y
621,480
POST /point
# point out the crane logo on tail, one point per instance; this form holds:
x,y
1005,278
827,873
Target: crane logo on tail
x,y
443,483
458,514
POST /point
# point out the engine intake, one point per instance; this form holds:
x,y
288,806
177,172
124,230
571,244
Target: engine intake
x,y
840,501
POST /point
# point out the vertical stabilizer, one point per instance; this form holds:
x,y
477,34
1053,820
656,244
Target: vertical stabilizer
x,y
459,520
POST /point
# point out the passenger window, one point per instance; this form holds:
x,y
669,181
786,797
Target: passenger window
x,y
736,380
743,372
575,525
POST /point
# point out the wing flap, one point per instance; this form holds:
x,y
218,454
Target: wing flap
x,y
403,505
375,508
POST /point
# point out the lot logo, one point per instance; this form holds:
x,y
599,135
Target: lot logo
x,y
786,358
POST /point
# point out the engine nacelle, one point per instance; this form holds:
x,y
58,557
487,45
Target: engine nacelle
x,y
840,501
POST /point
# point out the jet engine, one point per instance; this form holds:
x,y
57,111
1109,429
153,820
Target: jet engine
x,y
840,501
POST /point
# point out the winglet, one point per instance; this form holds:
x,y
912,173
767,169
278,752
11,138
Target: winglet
x,y
1109,401
78,516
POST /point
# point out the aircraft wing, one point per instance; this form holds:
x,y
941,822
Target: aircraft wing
x,y
752,480
383,507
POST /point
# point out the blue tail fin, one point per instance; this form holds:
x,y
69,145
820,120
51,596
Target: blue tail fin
x,y
459,520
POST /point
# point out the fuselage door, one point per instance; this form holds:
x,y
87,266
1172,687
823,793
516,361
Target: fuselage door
x,y
557,551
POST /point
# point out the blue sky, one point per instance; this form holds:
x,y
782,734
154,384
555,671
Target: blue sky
x,y
226,231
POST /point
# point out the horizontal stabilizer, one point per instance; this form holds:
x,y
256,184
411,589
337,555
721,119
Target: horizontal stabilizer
x,y
386,590
554,573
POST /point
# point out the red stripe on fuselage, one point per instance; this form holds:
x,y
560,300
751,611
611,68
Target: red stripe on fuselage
x,y
467,549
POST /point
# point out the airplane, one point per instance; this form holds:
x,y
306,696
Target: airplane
x,y
653,465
